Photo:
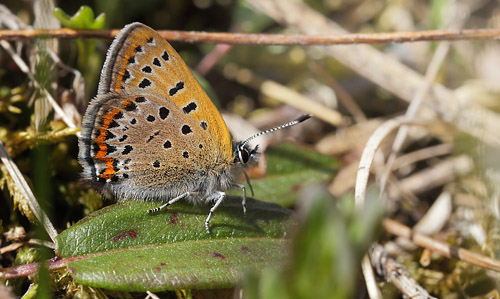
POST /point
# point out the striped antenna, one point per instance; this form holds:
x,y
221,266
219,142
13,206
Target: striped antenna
x,y
292,123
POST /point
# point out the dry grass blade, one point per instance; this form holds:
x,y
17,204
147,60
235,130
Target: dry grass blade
x,y
438,175
423,154
368,155
290,97
25,190
371,282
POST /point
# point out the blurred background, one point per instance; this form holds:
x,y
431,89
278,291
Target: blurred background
x,y
448,161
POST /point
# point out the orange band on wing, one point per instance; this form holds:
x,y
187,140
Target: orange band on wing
x,y
110,171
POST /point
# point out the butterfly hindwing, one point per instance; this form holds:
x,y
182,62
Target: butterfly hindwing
x,y
143,146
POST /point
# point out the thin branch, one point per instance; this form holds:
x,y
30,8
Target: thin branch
x,y
267,39
28,269
395,273
440,247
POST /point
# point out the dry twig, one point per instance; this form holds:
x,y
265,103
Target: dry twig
x,y
267,39
395,273
440,247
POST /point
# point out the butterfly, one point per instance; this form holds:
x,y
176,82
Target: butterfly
x,y
152,133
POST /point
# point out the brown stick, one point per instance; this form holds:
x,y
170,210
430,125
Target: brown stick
x,y
267,39
442,248
395,273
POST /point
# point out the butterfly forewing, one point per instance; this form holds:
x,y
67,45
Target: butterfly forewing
x,y
140,60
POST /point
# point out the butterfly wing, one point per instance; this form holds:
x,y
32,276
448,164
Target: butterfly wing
x,y
143,146
140,60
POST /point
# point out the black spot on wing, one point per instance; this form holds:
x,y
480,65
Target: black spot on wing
x,y
179,86
119,115
163,112
156,62
186,129
113,124
110,149
131,106
126,76
145,83
109,135
127,149
189,107
164,56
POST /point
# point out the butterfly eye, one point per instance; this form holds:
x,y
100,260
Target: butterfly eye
x,y
244,155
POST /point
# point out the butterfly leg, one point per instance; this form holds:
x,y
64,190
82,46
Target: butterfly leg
x,y
183,195
219,198
244,200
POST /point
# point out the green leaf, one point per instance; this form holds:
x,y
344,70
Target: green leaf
x,y
82,19
121,247
187,265
290,169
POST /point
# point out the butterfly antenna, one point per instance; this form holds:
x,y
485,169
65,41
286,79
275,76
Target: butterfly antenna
x,y
298,120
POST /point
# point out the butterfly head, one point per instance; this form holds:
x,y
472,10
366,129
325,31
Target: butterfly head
x,y
245,155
